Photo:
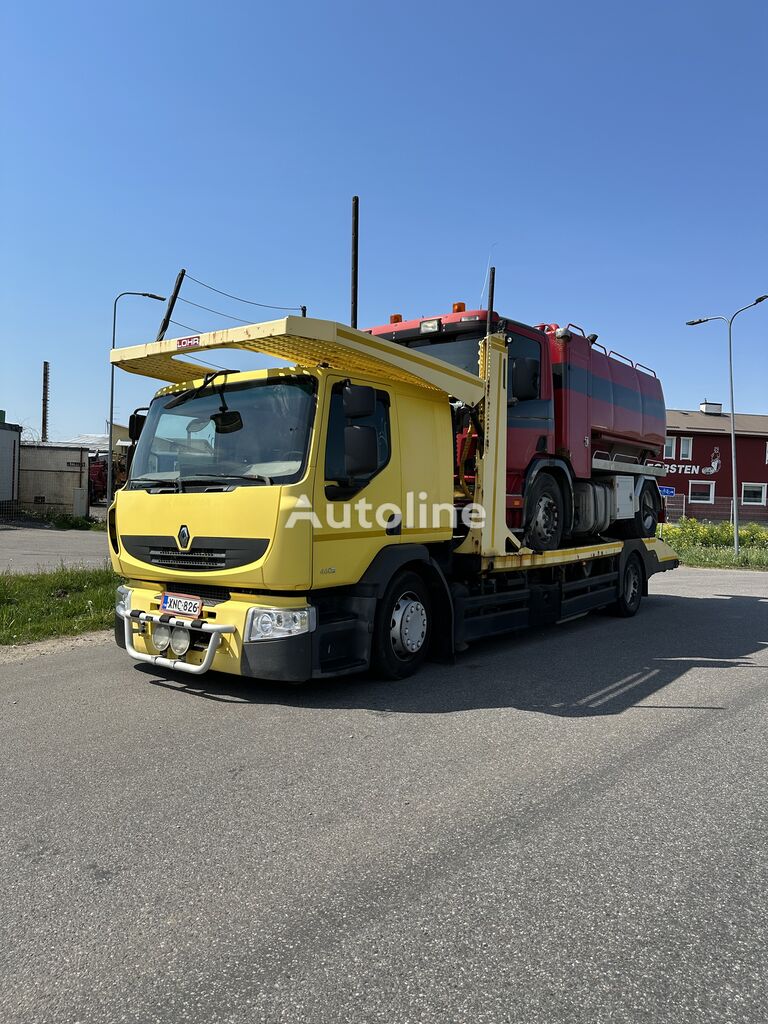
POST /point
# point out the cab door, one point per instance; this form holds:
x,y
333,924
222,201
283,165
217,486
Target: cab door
x,y
357,516
530,413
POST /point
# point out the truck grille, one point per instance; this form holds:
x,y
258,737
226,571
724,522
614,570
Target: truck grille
x,y
209,595
199,560
204,554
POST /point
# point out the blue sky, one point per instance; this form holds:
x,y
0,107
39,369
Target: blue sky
x,y
611,156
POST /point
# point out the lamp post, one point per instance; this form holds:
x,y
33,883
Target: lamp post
x,y
729,321
110,479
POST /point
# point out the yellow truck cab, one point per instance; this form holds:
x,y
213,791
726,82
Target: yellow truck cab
x,y
305,521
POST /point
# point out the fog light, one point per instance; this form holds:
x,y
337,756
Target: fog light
x,y
161,637
180,640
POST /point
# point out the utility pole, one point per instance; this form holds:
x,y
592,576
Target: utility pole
x,y
729,321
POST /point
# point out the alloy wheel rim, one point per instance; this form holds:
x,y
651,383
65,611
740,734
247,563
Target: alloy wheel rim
x,y
546,518
631,585
408,625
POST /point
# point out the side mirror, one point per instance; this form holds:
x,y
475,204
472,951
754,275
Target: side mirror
x,y
525,378
136,425
361,451
359,401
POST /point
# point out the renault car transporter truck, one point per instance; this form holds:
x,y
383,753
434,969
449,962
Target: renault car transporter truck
x,y
391,494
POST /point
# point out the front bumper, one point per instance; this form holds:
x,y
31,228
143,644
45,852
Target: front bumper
x,y
222,630
177,664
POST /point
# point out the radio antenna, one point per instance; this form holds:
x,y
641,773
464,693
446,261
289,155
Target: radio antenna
x,y
487,271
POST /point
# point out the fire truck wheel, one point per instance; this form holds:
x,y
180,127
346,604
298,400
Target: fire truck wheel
x,y
544,524
630,588
402,629
646,518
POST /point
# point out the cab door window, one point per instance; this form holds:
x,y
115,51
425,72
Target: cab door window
x,y
335,469
524,368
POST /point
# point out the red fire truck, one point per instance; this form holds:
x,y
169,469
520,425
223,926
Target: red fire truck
x,y
583,424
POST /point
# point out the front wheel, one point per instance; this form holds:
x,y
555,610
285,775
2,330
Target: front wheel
x,y
544,525
402,628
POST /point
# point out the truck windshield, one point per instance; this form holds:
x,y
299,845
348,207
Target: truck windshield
x,y
251,433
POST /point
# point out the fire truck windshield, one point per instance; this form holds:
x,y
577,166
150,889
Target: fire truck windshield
x,y
255,432
461,351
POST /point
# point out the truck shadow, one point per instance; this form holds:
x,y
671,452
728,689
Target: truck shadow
x,y
592,666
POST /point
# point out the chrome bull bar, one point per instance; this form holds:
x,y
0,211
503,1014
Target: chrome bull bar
x,y
201,626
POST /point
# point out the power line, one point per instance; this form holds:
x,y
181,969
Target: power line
x,y
237,298
186,327
208,363
196,358
218,312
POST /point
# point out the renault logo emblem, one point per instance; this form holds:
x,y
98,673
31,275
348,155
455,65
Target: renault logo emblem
x,y
183,537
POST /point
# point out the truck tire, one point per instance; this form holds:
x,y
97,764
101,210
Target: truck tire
x,y
630,588
645,520
402,627
544,521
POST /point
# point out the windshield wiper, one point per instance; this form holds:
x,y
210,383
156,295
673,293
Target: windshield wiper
x,y
184,396
215,478
155,482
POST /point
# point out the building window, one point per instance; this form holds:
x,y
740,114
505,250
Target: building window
x,y
686,449
669,448
753,494
700,493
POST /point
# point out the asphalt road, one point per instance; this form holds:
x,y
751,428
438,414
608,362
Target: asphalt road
x,y
566,826
35,549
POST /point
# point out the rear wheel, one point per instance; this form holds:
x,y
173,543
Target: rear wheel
x,y
544,525
630,588
403,626
645,520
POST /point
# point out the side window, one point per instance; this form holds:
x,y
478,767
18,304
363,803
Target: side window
x,y
334,447
524,362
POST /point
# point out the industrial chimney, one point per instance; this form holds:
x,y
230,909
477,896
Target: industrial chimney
x,y
46,380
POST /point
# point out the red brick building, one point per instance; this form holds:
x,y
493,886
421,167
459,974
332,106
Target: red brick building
x,y
698,458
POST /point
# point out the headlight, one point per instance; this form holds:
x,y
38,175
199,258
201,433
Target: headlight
x,y
277,623
123,599
161,636
180,640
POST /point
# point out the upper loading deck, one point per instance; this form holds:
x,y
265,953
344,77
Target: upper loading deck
x,y
306,342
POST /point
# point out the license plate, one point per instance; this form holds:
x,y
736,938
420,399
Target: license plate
x,y
182,604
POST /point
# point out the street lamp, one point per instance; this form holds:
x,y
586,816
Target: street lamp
x,y
143,295
729,321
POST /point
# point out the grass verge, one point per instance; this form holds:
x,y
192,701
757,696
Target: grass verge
x,y
59,521
64,602
710,545
720,558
